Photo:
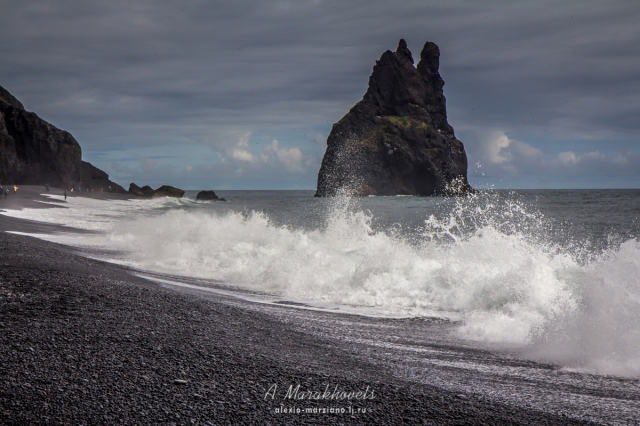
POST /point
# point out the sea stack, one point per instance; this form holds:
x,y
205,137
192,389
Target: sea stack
x,y
396,140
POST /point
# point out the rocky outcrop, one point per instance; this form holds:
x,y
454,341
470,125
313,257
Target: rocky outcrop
x,y
396,140
94,179
208,196
168,191
33,151
147,192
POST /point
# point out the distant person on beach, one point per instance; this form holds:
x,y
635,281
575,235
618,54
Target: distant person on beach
x,y
46,185
72,189
65,195
15,189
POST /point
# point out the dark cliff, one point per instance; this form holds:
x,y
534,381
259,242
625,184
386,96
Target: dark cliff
x,y
33,151
92,178
396,140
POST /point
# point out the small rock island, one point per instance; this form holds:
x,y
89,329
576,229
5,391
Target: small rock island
x,y
396,140
148,192
208,196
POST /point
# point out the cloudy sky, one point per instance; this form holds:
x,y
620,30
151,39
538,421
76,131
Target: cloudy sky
x,y
242,94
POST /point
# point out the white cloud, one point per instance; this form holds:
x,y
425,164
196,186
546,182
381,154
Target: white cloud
x,y
290,158
500,154
243,142
242,155
567,158
525,158
241,151
494,147
623,163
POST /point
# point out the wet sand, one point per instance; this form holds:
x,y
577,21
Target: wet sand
x,y
87,342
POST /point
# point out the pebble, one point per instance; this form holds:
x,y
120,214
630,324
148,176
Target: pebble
x,y
252,351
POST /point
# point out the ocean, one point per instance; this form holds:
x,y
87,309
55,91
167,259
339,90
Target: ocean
x,y
554,274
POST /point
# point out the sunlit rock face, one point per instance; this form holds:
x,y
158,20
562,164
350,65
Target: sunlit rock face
x,y
396,140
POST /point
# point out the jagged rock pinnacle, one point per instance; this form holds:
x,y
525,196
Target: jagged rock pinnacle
x,y
403,50
396,140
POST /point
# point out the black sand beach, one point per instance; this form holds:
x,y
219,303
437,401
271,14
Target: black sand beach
x,y
86,342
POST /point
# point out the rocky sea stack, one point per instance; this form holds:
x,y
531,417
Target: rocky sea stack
x,y
396,140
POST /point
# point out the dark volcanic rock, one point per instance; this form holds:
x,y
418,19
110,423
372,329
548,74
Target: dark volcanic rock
x,y
95,179
163,191
208,196
145,191
33,151
10,99
168,191
89,172
396,140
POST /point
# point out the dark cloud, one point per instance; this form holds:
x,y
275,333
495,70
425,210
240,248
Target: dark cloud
x,y
123,75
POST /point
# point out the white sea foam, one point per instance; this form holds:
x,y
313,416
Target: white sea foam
x,y
603,333
487,262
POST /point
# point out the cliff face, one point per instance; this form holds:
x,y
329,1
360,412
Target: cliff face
x,y
33,151
95,179
396,140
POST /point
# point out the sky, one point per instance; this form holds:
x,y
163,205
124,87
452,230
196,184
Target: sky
x,y
242,94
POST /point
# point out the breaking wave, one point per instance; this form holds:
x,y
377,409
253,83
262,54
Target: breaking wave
x,y
489,262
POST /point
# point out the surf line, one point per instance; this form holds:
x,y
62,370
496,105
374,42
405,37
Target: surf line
x,y
279,303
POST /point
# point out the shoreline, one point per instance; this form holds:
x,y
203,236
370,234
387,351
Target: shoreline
x,y
32,196
88,342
